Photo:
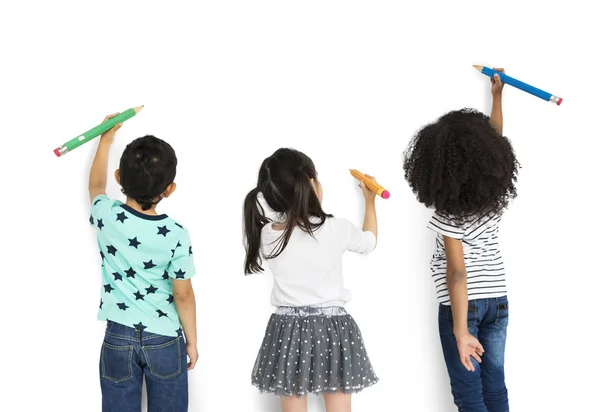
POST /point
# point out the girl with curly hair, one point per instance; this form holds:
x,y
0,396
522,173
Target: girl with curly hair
x,y
464,168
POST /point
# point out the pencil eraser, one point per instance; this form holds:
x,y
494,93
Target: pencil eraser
x,y
385,194
56,152
559,101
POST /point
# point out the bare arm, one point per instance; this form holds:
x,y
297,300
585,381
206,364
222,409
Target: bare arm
x,y
370,221
99,169
456,280
496,114
185,302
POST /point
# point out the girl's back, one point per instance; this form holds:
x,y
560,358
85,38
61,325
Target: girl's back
x,y
309,270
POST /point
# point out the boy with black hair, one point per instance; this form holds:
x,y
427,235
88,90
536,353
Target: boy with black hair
x,y
147,297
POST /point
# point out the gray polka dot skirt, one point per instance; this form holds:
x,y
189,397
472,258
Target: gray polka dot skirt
x,y
312,350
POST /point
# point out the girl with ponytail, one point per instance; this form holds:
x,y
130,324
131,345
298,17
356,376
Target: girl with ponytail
x,y
311,344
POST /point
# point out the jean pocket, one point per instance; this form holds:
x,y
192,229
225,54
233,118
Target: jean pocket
x,y
164,360
116,362
502,312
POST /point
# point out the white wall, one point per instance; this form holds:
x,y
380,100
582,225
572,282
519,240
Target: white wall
x,y
227,83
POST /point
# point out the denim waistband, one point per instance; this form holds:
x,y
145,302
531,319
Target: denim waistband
x,y
310,311
119,331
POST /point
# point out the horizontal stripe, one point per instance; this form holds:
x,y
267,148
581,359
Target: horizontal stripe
x,y
483,262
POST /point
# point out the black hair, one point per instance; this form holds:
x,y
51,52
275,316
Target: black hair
x,y
147,168
284,179
462,166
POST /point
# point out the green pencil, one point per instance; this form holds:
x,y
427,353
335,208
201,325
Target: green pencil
x,y
96,131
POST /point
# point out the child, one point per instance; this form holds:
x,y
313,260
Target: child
x,y
311,344
146,269
463,167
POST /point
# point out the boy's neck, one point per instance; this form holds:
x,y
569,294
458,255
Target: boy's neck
x,y
136,206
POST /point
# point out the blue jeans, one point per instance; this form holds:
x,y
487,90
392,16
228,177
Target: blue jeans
x,y
483,390
128,355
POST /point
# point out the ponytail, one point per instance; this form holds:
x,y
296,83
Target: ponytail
x,y
304,205
285,180
254,221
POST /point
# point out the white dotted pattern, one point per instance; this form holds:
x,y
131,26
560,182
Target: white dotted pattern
x,y
311,354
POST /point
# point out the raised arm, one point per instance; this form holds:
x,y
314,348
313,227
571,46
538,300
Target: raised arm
x,y
496,115
370,221
98,171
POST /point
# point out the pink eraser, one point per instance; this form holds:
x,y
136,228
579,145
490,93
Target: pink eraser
x,y
56,152
559,101
385,194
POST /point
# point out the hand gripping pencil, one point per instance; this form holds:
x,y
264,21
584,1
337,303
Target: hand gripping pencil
x,y
520,85
96,131
370,183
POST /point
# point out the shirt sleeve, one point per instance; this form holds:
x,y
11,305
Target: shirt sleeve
x,y
354,239
445,226
182,266
100,214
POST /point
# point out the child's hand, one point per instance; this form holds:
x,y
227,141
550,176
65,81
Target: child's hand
x,y
109,135
469,346
497,84
192,352
368,193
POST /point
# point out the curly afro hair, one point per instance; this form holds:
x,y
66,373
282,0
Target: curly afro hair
x,y
462,166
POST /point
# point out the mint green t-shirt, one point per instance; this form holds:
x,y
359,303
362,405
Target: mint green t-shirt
x,y
141,256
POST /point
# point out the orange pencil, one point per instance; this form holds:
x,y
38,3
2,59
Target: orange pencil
x,y
370,183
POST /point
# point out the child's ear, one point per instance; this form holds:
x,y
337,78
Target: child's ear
x,y
118,177
169,190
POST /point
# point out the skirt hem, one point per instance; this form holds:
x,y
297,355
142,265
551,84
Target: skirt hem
x,y
280,391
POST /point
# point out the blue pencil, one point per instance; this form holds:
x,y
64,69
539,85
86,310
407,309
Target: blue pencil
x,y
520,85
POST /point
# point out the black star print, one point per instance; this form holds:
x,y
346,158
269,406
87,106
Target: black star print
x,y
170,299
122,306
91,220
130,273
139,326
180,274
117,276
102,255
173,250
161,313
151,289
101,303
138,296
166,275
108,288
179,331
149,264
134,242
100,224
121,217
179,225
190,251
111,249
162,230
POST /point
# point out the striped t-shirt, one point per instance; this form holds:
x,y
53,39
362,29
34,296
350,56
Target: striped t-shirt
x,y
483,261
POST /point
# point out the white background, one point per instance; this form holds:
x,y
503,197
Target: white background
x,y
348,83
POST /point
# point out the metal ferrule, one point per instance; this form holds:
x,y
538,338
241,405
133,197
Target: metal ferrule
x,y
62,150
554,99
